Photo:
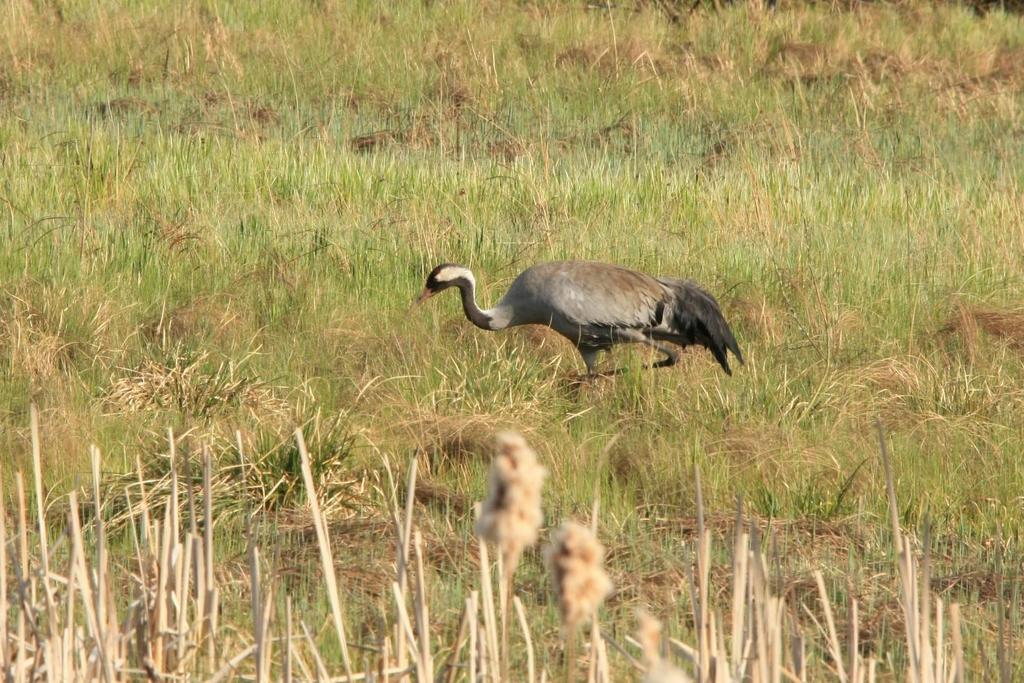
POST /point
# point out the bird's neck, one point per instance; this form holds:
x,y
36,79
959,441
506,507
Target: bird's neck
x,y
486,320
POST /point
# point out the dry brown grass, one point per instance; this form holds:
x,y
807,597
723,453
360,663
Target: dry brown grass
x,y
631,53
806,62
997,67
38,338
364,567
218,316
426,129
770,450
968,321
508,149
195,386
757,317
889,387
121,106
440,497
543,342
447,441
31,348
794,546
981,72
948,398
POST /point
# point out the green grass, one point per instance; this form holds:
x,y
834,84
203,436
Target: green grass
x,y
180,184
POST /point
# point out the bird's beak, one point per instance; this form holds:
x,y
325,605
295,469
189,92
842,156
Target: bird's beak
x,y
426,294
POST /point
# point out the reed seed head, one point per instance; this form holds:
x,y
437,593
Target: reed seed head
x,y
511,514
662,672
658,670
649,636
575,557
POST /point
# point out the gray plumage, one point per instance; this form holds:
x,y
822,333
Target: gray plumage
x,y
598,305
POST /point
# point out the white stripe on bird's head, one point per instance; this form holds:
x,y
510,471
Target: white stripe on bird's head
x,y
450,273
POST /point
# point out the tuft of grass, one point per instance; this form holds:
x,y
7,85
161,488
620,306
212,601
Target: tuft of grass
x,y
193,385
968,321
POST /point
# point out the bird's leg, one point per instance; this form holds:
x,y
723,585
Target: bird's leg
x,y
576,383
670,359
671,355
590,360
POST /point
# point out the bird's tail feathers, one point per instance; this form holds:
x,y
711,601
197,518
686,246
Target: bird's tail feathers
x,y
695,305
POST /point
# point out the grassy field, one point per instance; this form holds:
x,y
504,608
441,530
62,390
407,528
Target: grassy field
x,y
216,216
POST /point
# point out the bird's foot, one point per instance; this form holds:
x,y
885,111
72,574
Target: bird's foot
x,y
576,385
587,378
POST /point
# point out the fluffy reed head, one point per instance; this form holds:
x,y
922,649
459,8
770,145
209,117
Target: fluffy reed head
x,y
511,514
658,670
575,557
663,672
649,636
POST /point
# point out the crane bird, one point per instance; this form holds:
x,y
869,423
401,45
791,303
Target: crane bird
x,y
598,305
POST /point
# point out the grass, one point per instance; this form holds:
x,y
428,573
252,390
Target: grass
x,y
216,217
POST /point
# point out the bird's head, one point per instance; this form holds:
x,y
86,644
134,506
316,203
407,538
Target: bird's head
x,y
444,276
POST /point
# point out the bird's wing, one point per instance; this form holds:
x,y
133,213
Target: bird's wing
x,y
606,295
697,318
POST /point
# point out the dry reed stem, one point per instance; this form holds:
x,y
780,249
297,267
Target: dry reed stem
x,y
490,619
307,673
699,598
327,559
833,639
404,529
144,504
603,667
230,667
100,585
397,631
83,581
958,645
210,608
531,673
4,601
21,566
289,655
460,641
592,663
384,659
321,668
255,596
739,593
406,623
504,590
44,546
474,628
422,613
